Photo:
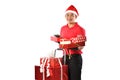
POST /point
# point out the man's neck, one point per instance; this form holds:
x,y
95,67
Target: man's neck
x,y
70,25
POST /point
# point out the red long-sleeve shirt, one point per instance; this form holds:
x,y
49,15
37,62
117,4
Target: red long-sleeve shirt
x,y
74,31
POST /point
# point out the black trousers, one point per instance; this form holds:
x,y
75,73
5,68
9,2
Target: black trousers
x,y
74,66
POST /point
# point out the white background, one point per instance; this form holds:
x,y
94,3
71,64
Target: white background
x,y
26,27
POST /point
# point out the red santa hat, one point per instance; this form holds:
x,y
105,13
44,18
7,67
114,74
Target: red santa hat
x,y
72,9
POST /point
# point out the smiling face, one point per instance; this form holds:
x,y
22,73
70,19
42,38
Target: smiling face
x,y
70,17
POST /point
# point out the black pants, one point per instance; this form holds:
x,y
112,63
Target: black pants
x,y
74,66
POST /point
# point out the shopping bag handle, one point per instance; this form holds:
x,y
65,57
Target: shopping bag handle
x,y
64,54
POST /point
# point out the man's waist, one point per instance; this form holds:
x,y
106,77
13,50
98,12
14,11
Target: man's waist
x,y
73,51
73,55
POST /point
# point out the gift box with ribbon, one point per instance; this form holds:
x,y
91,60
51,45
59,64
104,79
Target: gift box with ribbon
x,y
51,69
72,42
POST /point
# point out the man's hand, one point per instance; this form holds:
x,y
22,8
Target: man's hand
x,y
80,47
57,35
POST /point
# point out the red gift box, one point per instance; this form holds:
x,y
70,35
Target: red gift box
x,y
38,75
56,76
57,70
56,39
72,43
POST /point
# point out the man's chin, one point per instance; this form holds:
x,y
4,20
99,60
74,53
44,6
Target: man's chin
x,y
71,22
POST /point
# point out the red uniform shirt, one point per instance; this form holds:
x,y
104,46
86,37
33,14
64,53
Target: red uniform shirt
x,y
68,33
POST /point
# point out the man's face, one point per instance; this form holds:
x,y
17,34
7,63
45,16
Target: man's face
x,y
70,17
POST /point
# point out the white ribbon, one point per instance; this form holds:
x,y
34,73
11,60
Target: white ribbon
x,y
41,64
61,69
42,67
48,68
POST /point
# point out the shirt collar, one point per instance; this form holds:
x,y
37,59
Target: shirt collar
x,y
73,26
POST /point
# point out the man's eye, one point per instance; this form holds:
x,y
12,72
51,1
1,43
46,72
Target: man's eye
x,y
72,14
67,14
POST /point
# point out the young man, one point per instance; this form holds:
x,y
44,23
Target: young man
x,y
73,55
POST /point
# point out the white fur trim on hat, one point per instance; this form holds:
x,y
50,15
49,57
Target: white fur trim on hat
x,y
71,12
